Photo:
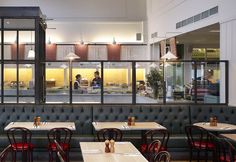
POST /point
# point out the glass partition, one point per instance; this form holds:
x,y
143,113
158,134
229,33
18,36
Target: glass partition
x,y
26,83
10,83
117,82
208,82
10,45
179,82
26,45
149,82
86,79
57,82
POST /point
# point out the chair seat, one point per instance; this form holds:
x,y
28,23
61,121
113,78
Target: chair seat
x,y
22,146
144,147
226,159
203,145
64,146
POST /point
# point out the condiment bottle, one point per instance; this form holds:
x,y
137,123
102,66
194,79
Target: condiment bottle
x,y
107,149
35,121
129,121
38,120
215,121
211,121
133,121
112,146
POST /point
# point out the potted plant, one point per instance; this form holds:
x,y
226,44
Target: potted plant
x,y
155,80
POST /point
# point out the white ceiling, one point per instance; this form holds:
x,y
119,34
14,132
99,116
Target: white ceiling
x,y
207,36
87,10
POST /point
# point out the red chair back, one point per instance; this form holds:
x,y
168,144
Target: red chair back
x,y
151,135
108,134
19,138
198,137
61,135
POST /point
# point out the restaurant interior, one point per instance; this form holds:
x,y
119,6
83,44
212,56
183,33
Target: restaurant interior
x,y
112,81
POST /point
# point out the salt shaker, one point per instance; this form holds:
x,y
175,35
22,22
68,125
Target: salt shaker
x,y
112,146
107,149
133,121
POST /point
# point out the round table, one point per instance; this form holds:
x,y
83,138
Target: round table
x,y
221,127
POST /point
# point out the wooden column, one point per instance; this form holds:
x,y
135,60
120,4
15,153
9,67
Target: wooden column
x,y
82,51
113,51
21,55
51,52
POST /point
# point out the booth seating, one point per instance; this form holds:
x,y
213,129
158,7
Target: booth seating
x,y
173,117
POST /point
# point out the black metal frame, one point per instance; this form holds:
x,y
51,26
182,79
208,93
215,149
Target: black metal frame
x,y
39,61
31,13
195,62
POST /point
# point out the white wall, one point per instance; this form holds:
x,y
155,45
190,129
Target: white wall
x,y
98,32
87,9
164,14
94,20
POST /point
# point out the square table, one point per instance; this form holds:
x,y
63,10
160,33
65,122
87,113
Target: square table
x,y
124,152
45,126
230,136
221,127
140,126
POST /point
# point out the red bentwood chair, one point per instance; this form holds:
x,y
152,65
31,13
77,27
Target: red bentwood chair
x,y
199,140
63,137
108,134
152,135
20,141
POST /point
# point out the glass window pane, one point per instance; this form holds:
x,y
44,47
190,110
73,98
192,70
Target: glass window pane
x,y
147,75
26,100
86,79
19,23
10,83
117,82
57,85
26,41
26,80
179,77
10,47
208,82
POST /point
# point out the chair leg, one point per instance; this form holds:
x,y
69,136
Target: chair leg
x,y
206,155
190,155
50,156
67,156
198,155
13,156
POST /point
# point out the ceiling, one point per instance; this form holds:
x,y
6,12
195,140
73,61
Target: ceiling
x,y
207,36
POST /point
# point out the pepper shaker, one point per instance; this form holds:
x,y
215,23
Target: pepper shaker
x,y
112,146
107,149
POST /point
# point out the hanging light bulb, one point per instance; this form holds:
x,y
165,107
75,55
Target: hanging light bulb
x,y
31,52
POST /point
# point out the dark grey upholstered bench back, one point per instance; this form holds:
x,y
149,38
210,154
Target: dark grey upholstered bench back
x,y
80,114
174,118
204,112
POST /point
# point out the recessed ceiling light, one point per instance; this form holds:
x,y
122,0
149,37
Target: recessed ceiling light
x,y
8,22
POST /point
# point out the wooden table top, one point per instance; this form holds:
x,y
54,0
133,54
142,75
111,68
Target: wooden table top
x,y
124,152
221,127
229,136
45,126
124,126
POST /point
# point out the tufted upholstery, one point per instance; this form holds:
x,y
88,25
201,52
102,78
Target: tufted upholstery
x,y
174,118
81,115
204,112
